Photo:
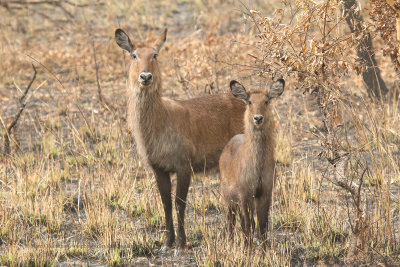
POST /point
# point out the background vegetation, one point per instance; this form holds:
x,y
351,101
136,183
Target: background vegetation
x,y
72,190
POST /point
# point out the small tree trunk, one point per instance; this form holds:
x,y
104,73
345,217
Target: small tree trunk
x,y
376,87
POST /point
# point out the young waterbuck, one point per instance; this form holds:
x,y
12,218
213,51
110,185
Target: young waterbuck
x,y
174,136
247,162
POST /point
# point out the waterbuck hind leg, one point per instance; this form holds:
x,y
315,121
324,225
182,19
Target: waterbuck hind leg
x,y
263,204
182,187
231,220
164,187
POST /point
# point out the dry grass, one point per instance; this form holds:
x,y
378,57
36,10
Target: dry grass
x,y
75,193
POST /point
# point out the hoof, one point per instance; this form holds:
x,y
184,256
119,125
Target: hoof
x,y
164,251
179,252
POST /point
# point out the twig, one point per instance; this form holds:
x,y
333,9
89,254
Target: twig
x,y
83,5
62,85
12,124
251,16
69,14
47,69
57,3
30,2
100,94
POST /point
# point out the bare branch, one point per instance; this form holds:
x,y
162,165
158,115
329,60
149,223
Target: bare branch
x,y
11,125
100,94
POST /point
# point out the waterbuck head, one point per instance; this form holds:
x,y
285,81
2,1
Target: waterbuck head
x,y
257,102
144,68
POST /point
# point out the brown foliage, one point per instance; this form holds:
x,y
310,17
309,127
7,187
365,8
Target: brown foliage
x,y
385,19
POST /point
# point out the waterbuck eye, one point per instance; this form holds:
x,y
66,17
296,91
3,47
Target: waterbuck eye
x,y
155,55
250,103
134,56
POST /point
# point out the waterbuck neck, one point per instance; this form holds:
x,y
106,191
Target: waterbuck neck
x,y
259,144
262,134
147,116
145,105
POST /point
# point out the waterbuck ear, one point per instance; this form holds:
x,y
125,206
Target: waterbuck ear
x,y
238,90
123,41
277,89
161,40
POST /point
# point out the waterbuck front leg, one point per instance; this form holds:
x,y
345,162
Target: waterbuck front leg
x,y
247,220
164,187
182,187
263,203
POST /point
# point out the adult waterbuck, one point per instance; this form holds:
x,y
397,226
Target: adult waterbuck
x,y
247,162
174,136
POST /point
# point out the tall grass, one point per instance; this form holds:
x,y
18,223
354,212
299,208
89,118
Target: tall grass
x,y
76,193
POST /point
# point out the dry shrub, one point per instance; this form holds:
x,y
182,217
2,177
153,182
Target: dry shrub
x,y
384,18
309,42
75,192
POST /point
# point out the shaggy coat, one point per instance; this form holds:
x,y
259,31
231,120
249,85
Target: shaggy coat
x,y
247,162
175,136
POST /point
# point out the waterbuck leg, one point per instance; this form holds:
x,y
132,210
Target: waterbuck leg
x,y
182,187
246,219
164,187
231,220
263,204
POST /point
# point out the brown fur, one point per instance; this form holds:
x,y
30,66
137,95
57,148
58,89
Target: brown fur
x,y
175,136
247,167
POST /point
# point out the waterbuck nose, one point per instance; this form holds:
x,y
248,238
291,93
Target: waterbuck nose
x,y
145,77
258,119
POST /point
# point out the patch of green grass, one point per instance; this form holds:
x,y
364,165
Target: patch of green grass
x,y
72,204
144,245
80,160
7,259
326,238
4,228
94,230
113,257
77,250
86,133
154,221
196,235
373,180
113,202
136,210
283,151
62,111
52,225
392,136
291,222
43,255
54,178
107,153
50,146
52,124
25,160
205,205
